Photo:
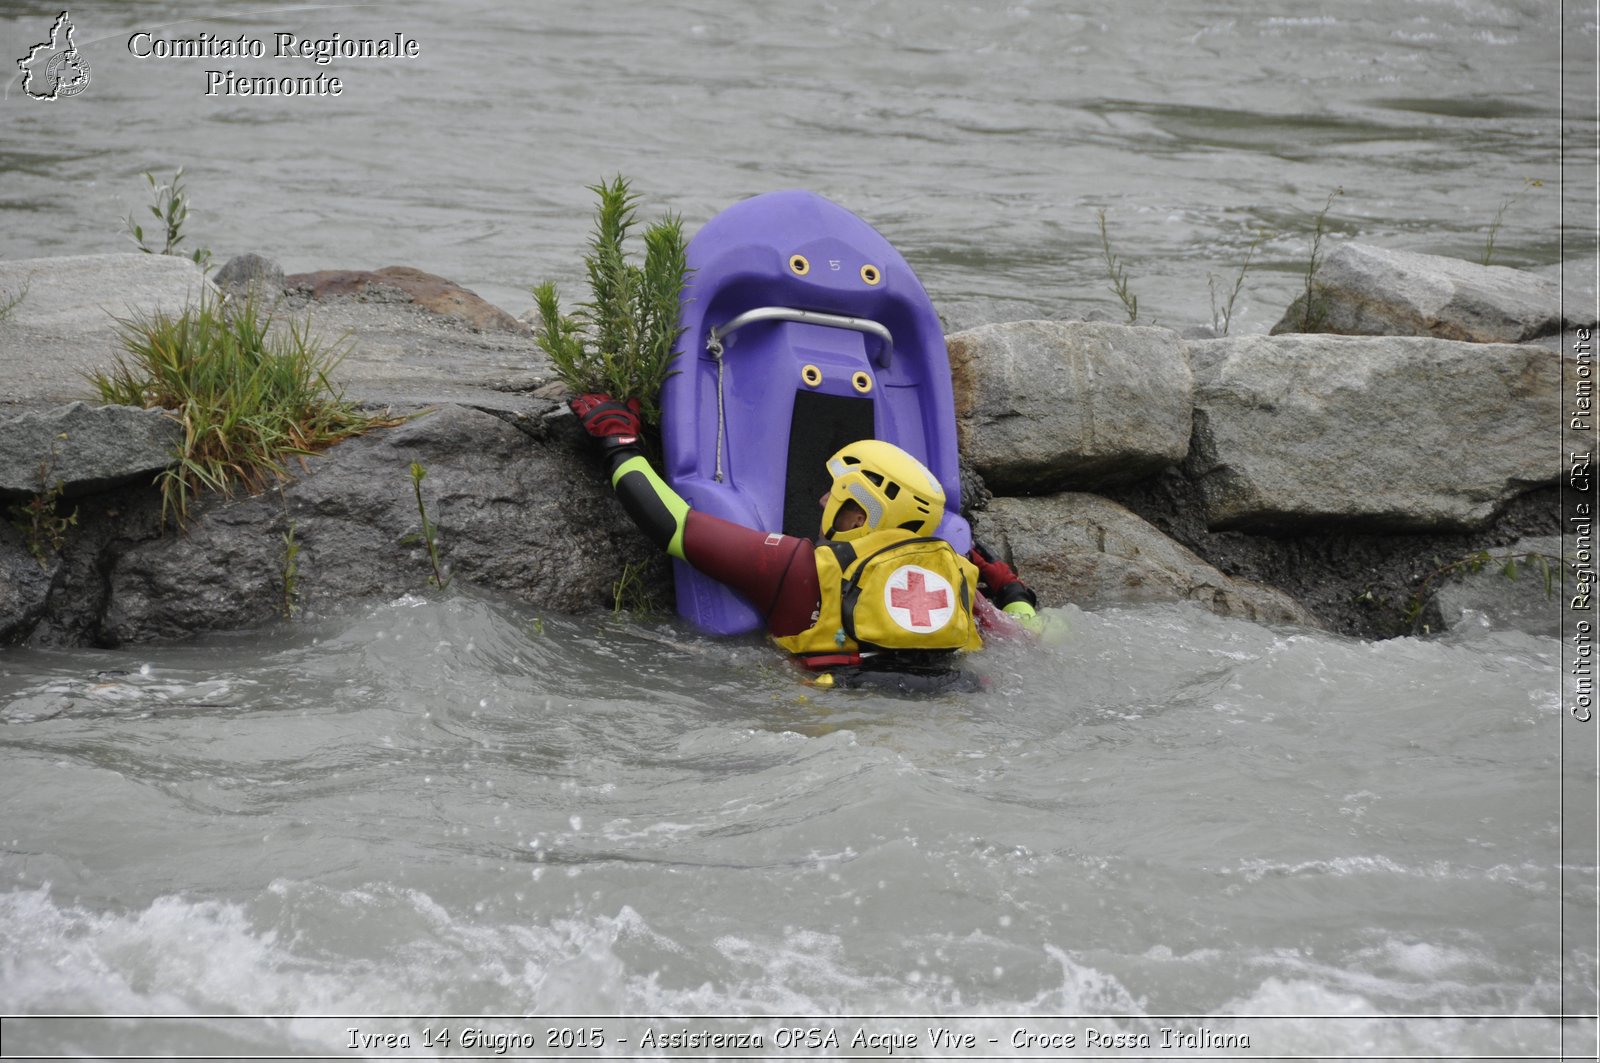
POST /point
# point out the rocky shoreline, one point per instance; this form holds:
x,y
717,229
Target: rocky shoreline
x,y
1299,479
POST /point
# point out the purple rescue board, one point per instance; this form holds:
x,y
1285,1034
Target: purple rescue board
x,y
803,329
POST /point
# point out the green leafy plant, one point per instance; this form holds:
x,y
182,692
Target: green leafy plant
x,y
249,397
1222,311
39,519
1511,567
1528,185
170,206
1118,274
1313,312
621,341
430,531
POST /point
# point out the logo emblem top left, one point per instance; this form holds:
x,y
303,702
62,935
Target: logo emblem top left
x,y
55,69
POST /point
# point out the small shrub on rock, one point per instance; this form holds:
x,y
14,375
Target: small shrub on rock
x,y
621,341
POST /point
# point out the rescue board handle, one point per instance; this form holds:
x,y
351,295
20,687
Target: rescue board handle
x,y
806,317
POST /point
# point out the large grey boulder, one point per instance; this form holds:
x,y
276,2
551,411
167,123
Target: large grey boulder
x,y
1044,405
405,284
1580,294
530,519
1390,433
1092,552
81,448
24,584
403,355
1370,291
64,323
432,347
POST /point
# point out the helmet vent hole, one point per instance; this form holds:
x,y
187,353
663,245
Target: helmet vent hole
x,y
891,489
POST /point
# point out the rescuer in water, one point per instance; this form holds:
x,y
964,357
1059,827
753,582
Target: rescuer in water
x,y
877,600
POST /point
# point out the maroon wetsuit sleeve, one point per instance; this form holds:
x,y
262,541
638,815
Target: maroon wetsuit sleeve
x,y
777,573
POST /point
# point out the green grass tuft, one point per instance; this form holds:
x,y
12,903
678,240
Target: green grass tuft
x,y
631,592
249,397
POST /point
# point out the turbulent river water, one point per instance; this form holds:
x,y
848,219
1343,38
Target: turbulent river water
x,y
457,806
469,811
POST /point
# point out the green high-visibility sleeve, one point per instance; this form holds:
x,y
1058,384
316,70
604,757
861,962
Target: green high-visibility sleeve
x,y
657,509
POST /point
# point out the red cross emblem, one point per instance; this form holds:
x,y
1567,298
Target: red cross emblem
x,y
918,599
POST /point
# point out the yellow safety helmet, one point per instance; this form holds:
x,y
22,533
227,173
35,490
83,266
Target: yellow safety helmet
x,y
895,489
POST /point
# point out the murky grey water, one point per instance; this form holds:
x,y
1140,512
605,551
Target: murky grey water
x,y
455,806
981,138
462,806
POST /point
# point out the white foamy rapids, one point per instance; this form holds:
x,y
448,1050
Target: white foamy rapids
x,y
301,951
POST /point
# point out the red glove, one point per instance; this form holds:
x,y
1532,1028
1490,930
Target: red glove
x,y
1002,581
605,418
992,571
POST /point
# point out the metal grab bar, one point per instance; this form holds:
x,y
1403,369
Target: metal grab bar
x,y
807,317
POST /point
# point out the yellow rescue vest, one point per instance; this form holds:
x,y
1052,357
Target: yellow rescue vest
x,y
891,590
